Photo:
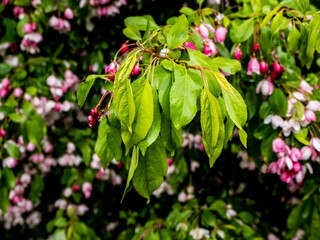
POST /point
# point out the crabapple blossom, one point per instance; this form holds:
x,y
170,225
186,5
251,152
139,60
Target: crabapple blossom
x,y
220,34
253,67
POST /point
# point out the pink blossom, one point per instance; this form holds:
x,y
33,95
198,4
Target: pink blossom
x,y
305,87
273,167
86,187
299,96
295,154
297,166
315,142
9,162
5,83
220,34
265,87
253,67
67,192
213,47
278,145
68,13
313,105
305,153
27,28
25,178
182,197
31,147
310,116
203,30
17,92
276,122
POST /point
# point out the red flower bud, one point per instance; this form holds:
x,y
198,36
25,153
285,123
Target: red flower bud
x,y
207,50
256,47
135,70
76,188
276,67
263,67
124,48
238,53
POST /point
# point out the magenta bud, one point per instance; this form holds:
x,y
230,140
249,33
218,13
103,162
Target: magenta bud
x,y
135,70
263,67
107,114
238,53
57,107
124,48
75,188
207,50
255,47
2,133
276,67
190,45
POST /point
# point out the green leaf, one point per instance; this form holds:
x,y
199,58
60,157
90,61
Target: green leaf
x,y
171,137
243,137
262,131
230,66
278,103
279,22
183,98
212,125
236,107
178,34
123,97
269,16
4,69
133,165
155,127
141,22
208,219
187,11
243,32
303,5
132,32
266,147
315,225
36,130
253,101
302,136
293,221
294,39
313,36
59,234
114,142
8,179
84,89
10,30
143,100
102,148
151,170
4,198
13,150
17,118
164,91
199,59
37,186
